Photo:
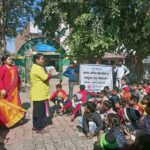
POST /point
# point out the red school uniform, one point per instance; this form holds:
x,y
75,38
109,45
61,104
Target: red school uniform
x,y
61,94
85,93
139,108
147,89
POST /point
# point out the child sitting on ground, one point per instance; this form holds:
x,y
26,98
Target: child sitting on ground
x,y
135,91
91,122
134,103
141,91
106,88
129,117
144,102
144,123
126,93
114,96
106,109
119,105
76,106
84,96
102,96
147,88
60,99
113,137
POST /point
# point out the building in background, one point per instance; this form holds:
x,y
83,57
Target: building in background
x,y
31,41
112,58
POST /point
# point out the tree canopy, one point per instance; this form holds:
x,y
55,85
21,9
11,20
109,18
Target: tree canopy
x,y
99,25
14,15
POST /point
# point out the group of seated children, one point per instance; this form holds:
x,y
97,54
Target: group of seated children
x,y
108,115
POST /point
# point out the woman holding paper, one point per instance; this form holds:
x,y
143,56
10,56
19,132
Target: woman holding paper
x,y
40,92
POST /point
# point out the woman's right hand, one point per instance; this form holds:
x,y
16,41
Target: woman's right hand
x,y
49,75
3,93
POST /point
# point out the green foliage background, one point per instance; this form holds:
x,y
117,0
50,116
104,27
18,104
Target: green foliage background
x,y
99,26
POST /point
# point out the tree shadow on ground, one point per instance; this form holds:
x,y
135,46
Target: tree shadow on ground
x,y
20,123
3,134
26,105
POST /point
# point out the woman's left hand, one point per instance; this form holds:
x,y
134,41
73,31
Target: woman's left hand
x,y
3,93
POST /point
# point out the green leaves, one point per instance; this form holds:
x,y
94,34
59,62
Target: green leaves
x,y
14,16
99,25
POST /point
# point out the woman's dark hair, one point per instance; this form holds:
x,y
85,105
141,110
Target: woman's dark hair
x,y
4,58
37,57
58,86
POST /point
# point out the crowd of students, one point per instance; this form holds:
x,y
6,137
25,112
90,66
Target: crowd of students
x,y
110,115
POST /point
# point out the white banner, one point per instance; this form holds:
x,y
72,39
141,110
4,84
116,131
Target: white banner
x,y
96,77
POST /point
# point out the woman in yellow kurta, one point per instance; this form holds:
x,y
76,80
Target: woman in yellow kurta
x,y
40,91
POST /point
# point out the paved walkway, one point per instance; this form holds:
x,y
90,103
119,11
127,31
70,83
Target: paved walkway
x,y
62,135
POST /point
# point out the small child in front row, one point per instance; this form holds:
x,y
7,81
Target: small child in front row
x,y
91,122
125,90
135,91
141,91
144,123
119,105
84,96
144,102
60,99
114,96
134,103
106,109
113,137
129,118
76,106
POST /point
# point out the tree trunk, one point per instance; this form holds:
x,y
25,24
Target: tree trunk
x,y
139,68
3,44
2,29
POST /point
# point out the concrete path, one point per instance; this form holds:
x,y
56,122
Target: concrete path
x,y
62,135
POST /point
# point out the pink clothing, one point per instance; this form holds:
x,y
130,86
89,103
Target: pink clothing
x,y
76,110
147,89
67,106
85,93
6,78
111,111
